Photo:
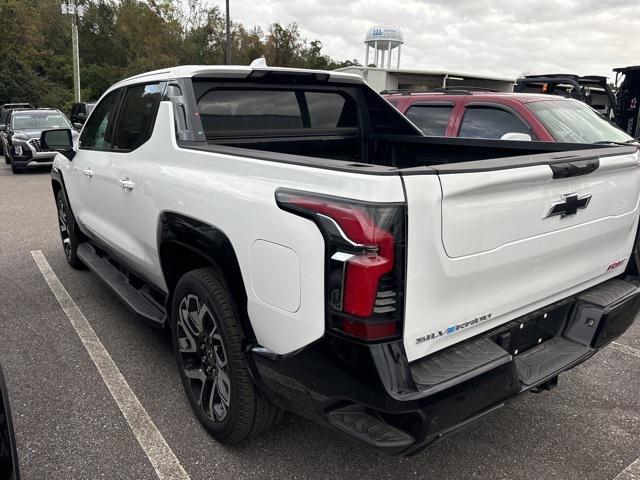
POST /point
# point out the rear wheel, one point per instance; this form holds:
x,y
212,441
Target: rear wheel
x,y
68,233
15,169
207,339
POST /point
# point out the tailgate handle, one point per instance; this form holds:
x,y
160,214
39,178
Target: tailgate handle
x,y
574,169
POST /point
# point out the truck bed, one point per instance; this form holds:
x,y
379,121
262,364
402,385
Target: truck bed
x,y
390,153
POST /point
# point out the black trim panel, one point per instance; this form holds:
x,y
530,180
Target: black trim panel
x,y
313,162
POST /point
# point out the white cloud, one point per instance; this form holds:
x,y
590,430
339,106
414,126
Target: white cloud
x,y
504,37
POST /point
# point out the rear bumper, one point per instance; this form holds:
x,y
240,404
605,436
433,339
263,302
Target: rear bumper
x,y
370,392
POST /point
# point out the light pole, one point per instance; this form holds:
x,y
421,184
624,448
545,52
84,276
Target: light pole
x,y
70,8
227,56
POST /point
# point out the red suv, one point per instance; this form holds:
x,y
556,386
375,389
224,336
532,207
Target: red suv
x,y
507,116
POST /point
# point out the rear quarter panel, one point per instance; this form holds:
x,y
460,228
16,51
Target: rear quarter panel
x,y
286,292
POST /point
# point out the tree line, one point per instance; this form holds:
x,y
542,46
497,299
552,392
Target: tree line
x,y
120,38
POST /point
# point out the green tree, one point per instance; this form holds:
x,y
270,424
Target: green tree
x,y
120,38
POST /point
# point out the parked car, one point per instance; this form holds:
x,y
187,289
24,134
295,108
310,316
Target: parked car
x,y
21,138
628,99
492,115
9,469
5,111
79,113
593,90
311,250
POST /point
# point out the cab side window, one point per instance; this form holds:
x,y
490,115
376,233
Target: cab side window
x,y
431,119
98,132
490,122
137,116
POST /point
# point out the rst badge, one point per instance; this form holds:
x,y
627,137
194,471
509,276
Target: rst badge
x,y
616,264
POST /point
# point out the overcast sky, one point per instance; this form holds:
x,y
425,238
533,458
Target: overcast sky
x,y
505,37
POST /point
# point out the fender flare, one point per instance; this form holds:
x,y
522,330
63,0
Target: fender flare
x,y
197,245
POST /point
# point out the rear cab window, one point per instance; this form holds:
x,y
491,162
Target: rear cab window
x,y
231,112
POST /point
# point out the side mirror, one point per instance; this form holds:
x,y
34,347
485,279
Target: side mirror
x,y
59,140
519,137
77,126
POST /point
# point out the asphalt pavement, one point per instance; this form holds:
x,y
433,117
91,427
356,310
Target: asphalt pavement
x,y
69,426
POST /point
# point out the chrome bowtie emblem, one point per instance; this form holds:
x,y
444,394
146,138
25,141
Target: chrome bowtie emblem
x,y
569,205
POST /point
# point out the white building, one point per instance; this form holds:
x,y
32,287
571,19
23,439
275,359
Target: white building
x,y
422,80
382,41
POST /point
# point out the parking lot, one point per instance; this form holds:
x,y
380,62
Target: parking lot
x,y
69,426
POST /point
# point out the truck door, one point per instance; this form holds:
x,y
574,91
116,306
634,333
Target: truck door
x,y
115,209
92,156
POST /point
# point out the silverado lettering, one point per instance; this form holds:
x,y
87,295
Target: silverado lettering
x,y
453,329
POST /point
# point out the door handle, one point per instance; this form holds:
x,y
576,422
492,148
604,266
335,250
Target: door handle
x,y
126,184
88,172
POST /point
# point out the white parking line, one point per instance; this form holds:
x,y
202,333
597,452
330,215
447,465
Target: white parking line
x,y
627,349
162,458
632,472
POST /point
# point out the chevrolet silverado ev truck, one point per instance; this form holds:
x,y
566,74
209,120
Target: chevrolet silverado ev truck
x,y
312,251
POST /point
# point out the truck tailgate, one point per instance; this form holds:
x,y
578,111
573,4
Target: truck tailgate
x,y
503,242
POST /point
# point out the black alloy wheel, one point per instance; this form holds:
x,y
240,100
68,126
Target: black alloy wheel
x,y
204,358
210,351
68,232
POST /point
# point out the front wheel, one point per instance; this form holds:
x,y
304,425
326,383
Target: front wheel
x,y
207,340
68,233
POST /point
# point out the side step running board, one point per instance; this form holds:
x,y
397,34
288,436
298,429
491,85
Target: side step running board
x,y
137,300
369,428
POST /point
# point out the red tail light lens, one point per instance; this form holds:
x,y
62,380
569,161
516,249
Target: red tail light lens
x,y
365,260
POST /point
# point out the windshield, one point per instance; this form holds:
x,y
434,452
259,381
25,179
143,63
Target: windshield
x,y
39,121
572,121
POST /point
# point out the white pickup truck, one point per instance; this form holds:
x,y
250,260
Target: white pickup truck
x,y
312,251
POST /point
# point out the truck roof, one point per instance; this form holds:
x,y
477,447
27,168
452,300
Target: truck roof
x,y
233,71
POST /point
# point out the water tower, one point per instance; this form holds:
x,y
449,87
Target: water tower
x,y
383,39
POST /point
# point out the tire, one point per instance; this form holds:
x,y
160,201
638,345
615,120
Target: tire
x,y
208,343
15,169
68,232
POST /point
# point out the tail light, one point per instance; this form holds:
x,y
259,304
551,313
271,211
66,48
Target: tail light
x,y
364,257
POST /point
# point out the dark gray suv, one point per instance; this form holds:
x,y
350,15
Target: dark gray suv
x,y
20,137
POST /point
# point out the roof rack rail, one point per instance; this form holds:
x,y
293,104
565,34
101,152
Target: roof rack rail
x,y
461,90
464,90
402,92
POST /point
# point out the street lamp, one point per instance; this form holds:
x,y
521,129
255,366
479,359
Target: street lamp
x,y
74,11
227,57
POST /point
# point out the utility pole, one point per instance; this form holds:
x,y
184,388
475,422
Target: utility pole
x,y
69,8
227,56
